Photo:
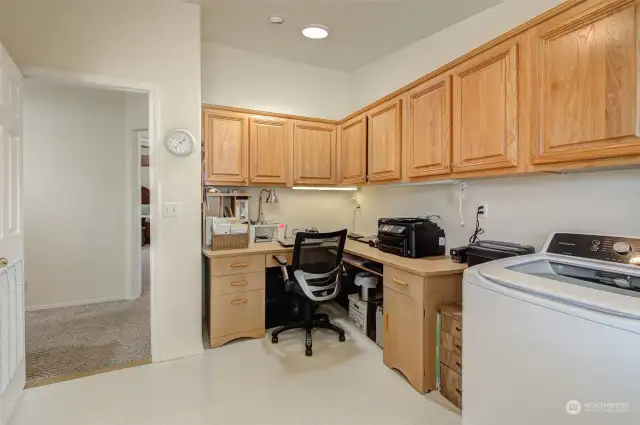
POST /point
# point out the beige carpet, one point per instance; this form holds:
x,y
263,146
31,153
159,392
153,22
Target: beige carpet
x,y
71,340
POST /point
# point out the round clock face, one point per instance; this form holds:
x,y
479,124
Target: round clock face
x,y
180,142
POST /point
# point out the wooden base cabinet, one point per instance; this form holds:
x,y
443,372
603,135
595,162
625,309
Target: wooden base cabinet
x,y
410,318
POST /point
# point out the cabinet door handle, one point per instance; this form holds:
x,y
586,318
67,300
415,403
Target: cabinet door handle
x,y
458,391
240,301
399,282
458,329
386,322
236,265
459,365
458,347
239,283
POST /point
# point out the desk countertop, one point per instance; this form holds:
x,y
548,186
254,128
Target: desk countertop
x,y
428,266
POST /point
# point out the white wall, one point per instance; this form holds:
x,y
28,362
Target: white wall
x,y
159,45
326,210
74,173
520,209
387,74
234,77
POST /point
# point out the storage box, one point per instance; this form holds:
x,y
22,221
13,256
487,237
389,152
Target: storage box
x,y
363,315
379,325
358,312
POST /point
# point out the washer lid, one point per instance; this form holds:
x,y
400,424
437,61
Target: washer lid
x,y
607,288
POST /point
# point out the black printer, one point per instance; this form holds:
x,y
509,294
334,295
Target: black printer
x,y
410,237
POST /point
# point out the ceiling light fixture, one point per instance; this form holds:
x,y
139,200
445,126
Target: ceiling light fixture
x,y
276,19
315,32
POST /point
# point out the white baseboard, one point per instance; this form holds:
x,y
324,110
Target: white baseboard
x,y
72,303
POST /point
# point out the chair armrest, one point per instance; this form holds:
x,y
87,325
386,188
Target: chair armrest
x,y
283,266
280,259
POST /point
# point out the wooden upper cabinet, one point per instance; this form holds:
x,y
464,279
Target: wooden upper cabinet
x,y
428,129
226,139
314,153
485,110
586,62
352,151
270,150
385,141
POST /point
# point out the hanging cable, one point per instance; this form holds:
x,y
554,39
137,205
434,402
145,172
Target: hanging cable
x,y
479,230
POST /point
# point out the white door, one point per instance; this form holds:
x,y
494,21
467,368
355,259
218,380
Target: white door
x,y
12,333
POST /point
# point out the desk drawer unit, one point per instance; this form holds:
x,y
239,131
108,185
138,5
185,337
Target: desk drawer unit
x,y
451,353
237,265
235,283
234,314
403,282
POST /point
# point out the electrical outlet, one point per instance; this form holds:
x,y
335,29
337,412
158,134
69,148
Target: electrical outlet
x,y
482,209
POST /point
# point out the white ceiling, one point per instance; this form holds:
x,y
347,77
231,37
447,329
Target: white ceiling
x,y
361,30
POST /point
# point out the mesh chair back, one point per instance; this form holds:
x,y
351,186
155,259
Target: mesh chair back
x,y
317,263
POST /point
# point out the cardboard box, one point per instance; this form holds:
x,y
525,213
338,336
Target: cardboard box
x,y
358,312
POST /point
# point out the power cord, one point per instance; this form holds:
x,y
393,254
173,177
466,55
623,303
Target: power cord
x,y
479,230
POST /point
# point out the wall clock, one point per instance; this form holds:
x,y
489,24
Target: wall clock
x,y
180,142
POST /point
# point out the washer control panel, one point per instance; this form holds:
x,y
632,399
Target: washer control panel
x,y
597,247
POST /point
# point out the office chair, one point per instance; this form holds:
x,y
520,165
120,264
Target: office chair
x,y
317,277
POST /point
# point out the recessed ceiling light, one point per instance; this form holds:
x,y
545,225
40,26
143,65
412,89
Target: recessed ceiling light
x,y
315,31
276,19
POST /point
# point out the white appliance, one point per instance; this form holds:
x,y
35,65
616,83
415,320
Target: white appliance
x,y
268,232
554,338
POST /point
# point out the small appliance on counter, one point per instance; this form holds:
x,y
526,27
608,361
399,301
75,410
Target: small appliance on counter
x,y
484,251
269,232
459,254
411,237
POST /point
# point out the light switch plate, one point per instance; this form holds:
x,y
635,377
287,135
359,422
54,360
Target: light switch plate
x,y
171,209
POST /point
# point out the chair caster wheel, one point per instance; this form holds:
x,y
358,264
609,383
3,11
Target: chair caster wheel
x,y
308,352
341,338
274,339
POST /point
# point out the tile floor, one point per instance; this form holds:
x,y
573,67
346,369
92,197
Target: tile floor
x,y
249,382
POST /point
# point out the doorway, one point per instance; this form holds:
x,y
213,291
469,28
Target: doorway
x,y
87,226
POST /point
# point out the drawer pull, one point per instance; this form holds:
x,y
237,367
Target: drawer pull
x,y
240,301
236,265
458,391
458,347
239,283
399,282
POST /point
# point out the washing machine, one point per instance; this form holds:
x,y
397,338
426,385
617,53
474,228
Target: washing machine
x,y
554,337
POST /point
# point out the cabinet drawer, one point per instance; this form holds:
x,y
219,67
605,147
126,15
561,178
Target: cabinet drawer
x,y
403,282
451,385
449,343
235,313
451,326
451,359
221,285
237,265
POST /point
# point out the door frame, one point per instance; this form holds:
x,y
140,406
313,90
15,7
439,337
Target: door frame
x,y
112,83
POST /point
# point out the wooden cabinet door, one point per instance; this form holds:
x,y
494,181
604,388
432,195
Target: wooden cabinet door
x,y
270,150
428,129
352,151
314,152
485,110
385,141
403,337
586,61
226,139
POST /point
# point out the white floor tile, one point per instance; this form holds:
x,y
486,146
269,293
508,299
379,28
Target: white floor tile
x,y
245,383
